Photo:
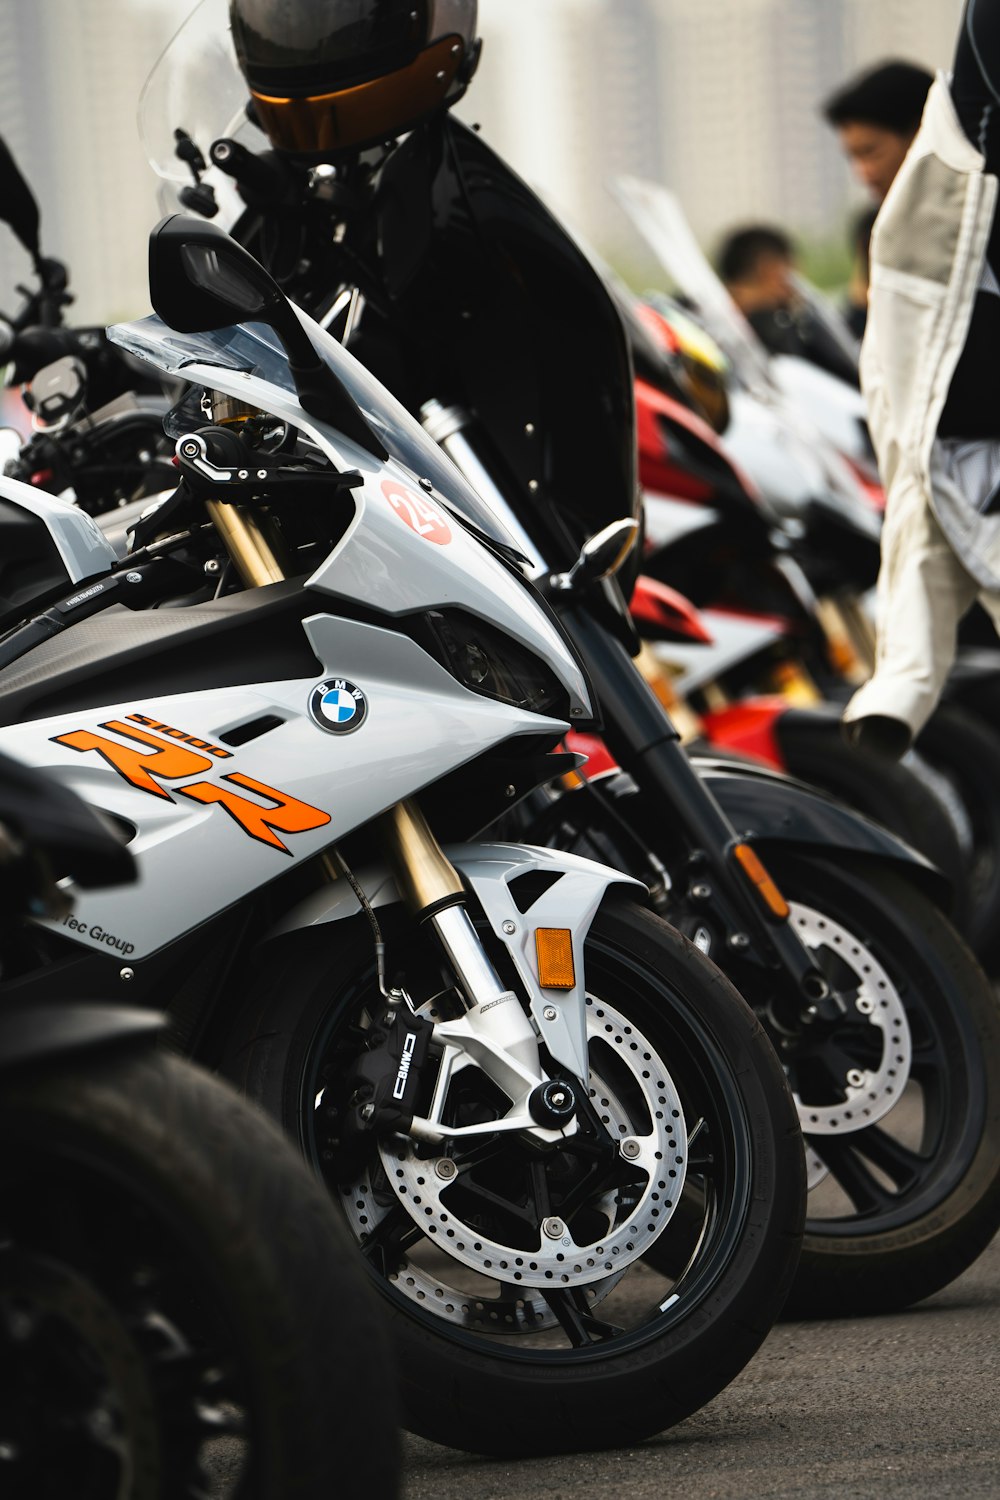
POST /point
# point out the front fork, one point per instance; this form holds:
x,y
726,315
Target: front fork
x,y
495,1032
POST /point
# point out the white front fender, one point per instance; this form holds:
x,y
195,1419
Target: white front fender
x,y
571,901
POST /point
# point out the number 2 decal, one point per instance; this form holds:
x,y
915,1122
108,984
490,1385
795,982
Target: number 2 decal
x,y
423,517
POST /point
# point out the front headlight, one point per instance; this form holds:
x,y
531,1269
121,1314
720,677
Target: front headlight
x,y
488,662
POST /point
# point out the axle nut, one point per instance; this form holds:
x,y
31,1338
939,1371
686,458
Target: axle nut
x,y
552,1104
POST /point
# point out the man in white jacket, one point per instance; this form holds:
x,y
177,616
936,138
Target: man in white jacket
x,y
929,373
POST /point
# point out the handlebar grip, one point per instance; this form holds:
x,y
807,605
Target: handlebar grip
x,y
260,178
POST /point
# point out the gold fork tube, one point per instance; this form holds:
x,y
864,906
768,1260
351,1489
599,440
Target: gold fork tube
x,y
246,544
423,873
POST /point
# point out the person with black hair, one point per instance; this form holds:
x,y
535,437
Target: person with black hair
x,y
876,116
928,370
757,265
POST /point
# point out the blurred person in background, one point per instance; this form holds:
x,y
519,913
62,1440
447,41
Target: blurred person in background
x,y
758,265
876,116
929,373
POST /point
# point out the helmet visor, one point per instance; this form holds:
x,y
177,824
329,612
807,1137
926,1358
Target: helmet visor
x,y
369,112
286,47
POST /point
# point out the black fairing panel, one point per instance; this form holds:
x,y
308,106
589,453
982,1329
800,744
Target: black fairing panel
x,y
242,638
476,296
503,314
774,809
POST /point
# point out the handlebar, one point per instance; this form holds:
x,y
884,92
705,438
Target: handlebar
x,y
33,348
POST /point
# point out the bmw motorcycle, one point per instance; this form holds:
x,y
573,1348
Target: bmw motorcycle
x,y
564,1147
448,278
176,1295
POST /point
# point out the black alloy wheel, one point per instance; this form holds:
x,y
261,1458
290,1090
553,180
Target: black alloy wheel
x,y
526,1314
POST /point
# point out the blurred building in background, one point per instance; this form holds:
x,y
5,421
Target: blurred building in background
x,y
717,98
70,75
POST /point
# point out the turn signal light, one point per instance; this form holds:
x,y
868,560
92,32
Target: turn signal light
x,y
554,947
752,867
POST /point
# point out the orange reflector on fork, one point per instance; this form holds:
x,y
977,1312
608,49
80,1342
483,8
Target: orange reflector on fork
x,y
753,867
554,947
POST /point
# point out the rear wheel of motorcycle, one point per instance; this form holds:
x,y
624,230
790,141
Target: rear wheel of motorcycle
x,y
902,1206
178,1302
490,1363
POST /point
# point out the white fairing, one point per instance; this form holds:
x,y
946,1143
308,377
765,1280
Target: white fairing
x,y
405,549
81,545
735,639
835,408
195,857
792,464
669,521
208,830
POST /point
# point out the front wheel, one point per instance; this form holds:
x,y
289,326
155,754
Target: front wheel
x,y
527,1314
899,1099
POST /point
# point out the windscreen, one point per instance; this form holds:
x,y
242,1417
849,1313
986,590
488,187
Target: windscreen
x,y
195,86
255,349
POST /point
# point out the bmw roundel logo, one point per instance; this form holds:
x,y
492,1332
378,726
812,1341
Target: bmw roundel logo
x,y
337,705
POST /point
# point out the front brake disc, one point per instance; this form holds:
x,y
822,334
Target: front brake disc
x,y
632,1092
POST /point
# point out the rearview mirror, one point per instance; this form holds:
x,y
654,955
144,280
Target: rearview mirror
x,y
201,279
18,206
600,557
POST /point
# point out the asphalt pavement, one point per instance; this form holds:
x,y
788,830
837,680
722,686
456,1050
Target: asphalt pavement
x,y
860,1408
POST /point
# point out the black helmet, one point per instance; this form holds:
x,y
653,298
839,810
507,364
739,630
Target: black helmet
x,y
334,75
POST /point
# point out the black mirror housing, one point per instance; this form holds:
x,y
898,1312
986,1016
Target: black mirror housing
x,y
201,279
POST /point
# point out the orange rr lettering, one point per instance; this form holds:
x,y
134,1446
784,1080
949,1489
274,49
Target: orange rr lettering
x,y
288,815
164,758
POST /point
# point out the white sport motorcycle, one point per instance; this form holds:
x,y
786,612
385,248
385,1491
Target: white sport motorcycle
x,y
515,1079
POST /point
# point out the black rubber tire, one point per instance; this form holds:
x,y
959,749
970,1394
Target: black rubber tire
x,y
889,793
258,1255
965,751
923,1237
459,1387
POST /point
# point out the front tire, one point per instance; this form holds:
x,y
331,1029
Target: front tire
x,y
488,1362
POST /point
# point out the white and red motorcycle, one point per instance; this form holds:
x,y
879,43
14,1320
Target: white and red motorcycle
x,y
515,1079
